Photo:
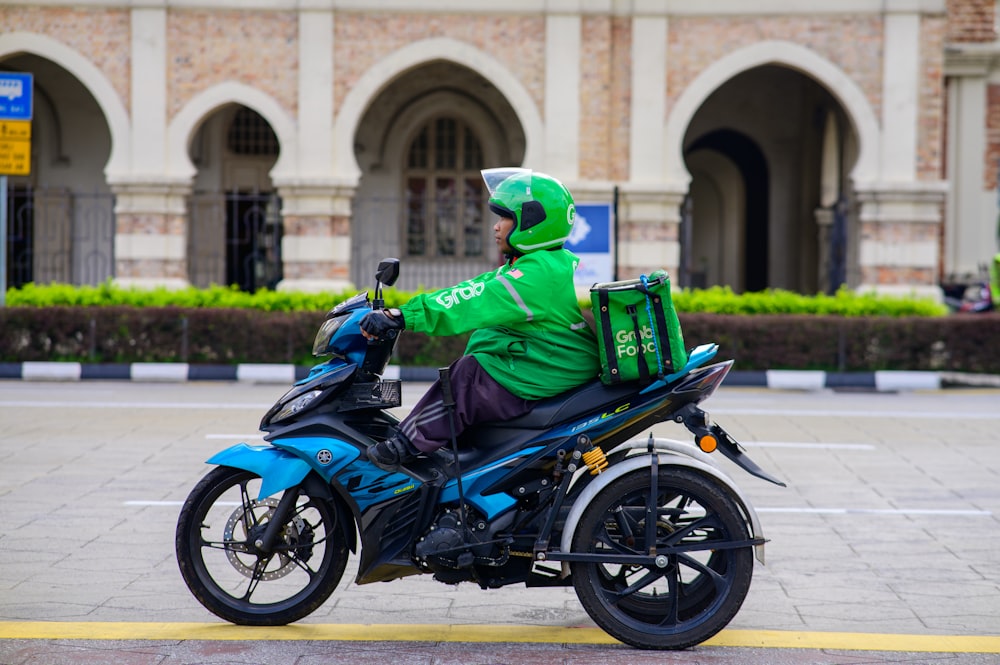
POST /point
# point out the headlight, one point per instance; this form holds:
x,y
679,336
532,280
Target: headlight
x,y
297,404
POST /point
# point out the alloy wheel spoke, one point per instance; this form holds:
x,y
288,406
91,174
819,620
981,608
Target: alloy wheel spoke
x,y
640,584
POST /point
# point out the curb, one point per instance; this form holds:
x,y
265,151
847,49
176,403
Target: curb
x,y
801,380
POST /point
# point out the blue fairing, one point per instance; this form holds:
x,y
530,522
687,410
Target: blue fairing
x,y
476,481
698,357
330,369
283,465
277,468
370,485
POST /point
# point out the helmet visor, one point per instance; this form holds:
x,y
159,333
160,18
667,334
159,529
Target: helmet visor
x,y
493,178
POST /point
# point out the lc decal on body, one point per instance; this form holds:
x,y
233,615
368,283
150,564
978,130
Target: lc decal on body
x,y
596,419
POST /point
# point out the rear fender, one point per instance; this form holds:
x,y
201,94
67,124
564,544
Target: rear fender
x,y
671,453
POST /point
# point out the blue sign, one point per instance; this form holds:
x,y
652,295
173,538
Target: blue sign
x,y
15,96
590,240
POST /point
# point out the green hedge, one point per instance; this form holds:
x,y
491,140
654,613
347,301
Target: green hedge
x,y
718,300
846,331
969,343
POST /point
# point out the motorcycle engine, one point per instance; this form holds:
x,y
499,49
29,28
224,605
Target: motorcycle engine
x,y
450,550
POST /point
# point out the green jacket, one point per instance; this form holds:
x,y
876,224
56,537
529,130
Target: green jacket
x,y
528,334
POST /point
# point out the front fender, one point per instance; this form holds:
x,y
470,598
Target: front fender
x,y
670,455
278,469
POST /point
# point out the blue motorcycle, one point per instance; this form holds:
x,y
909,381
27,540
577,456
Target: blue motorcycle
x,y
657,540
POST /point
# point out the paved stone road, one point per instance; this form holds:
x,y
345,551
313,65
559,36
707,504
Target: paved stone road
x,y
889,525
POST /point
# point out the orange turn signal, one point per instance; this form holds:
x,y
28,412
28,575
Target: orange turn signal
x,y
708,443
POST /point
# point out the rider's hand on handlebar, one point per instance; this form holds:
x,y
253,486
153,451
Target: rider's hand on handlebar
x,y
378,322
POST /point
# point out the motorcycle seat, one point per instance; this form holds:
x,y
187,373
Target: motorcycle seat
x,y
577,402
547,413
488,441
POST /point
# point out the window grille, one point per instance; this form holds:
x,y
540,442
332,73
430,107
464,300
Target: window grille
x,y
445,213
250,134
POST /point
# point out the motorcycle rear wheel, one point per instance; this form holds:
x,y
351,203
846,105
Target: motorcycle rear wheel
x,y
233,579
696,594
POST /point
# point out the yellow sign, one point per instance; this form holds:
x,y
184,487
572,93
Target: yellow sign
x,y
15,147
15,129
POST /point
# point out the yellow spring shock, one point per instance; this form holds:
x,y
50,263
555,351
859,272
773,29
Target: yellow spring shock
x,y
595,460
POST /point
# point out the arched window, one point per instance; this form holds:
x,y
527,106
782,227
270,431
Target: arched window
x,y
445,214
249,134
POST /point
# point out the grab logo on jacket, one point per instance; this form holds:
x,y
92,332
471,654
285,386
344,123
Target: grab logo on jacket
x,y
448,298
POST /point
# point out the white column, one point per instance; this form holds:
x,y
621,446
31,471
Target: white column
x,y
149,90
969,228
900,99
649,99
315,94
562,97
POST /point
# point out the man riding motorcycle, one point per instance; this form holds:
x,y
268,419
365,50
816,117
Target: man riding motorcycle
x,y
529,339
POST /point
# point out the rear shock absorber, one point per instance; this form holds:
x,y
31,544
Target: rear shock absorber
x,y
595,459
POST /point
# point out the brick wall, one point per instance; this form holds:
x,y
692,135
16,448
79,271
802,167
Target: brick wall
x,y
852,43
102,35
992,136
205,48
605,98
362,40
930,111
971,20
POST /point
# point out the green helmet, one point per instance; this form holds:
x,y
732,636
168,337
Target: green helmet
x,y
541,207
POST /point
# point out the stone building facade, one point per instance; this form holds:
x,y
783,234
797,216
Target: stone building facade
x,y
291,143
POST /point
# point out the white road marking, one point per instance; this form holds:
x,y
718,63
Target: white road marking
x,y
879,511
52,404
785,510
851,413
807,445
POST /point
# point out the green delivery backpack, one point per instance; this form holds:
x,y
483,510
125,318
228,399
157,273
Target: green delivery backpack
x,y
638,334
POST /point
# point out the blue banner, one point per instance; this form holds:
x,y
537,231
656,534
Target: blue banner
x,y
590,239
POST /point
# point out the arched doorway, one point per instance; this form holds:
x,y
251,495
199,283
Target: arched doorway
x,y
234,212
729,191
420,146
769,153
61,223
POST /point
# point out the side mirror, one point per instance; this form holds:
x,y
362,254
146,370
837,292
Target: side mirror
x,y
388,271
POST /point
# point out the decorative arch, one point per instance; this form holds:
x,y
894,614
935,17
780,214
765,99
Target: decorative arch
x,y
93,79
185,123
418,53
417,114
793,56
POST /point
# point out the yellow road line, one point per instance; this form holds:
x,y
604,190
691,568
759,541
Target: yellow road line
x,y
773,639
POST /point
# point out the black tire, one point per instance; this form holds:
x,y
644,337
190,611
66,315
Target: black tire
x,y
234,580
696,594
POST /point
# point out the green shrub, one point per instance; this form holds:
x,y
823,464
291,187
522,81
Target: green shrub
x,y
718,300
722,300
123,334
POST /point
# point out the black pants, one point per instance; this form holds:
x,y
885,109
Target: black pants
x,y
478,399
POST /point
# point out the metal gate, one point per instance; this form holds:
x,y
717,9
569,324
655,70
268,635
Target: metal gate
x,y
56,235
234,238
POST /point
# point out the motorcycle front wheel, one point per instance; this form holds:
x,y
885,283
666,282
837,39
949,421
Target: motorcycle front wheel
x,y
699,586
217,529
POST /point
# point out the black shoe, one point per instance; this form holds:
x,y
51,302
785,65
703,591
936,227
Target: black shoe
x,y
392,452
